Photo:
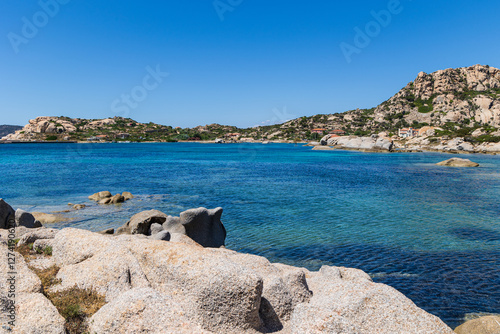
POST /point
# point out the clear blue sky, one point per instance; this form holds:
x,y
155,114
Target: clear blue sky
x,y
265,61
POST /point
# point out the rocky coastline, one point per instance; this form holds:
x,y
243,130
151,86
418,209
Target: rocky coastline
x,y
164,274
381,143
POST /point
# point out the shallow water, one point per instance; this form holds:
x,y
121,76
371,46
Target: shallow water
x,y
431,232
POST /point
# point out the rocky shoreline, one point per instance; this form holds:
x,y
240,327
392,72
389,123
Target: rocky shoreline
x,y
164,274
380,143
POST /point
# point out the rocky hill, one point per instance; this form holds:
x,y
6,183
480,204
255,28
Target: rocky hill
x,y
111,129
463,99
8,129
459,101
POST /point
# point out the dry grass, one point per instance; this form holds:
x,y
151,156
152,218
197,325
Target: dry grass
x,y
47,276
76,305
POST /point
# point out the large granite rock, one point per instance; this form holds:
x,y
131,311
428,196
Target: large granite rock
x,y
141,223
143,311
349,302
36,314
26,219
457,162
201,225
6,213
484,325
204,226
177,287
37,234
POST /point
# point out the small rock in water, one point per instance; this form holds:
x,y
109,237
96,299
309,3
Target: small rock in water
x,y
79,206
458,162
127,195
105,201
117,199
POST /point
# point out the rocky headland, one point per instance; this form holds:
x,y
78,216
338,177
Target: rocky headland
x,y
164,274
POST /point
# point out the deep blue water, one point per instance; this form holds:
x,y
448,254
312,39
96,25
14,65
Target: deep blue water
x,y
431,232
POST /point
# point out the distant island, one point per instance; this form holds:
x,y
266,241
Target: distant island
x,y
460,104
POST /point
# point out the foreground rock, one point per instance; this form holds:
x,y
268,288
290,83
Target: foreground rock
x,y
141,223
174,287
483,325
34,313
457,162
26,219
6,213
371,144
201,225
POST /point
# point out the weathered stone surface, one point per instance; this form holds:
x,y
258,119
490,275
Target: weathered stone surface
x,y
71,246
127,195
484,325
373,143
173,225
155,228
204,226
357,305
163,235
79,206
26,280
26,219
6,213
141,222
457,162
143,311
225,296
37,315
41,233
111,271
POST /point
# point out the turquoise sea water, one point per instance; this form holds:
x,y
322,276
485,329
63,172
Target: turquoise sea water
x,y
431,232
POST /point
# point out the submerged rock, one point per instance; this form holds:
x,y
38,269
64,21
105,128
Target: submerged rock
x,y
458,162
47,218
